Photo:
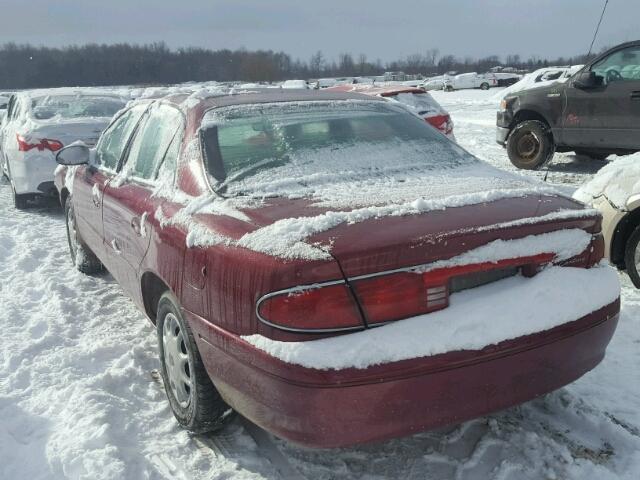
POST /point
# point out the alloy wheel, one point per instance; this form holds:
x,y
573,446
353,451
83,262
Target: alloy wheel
x,y
176,360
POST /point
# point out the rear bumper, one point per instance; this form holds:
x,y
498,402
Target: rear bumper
x,y
30,170
338,408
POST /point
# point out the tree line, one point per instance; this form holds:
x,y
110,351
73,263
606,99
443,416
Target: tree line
x,y
28,66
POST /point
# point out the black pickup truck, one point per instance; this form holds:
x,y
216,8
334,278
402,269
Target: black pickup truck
x,y
594,113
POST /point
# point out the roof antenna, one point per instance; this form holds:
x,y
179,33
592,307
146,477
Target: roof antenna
x,y
604,9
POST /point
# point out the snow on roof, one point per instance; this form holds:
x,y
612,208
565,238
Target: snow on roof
x,y
376,89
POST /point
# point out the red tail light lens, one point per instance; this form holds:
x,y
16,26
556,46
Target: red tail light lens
x,y
41,145
326,308
442,123
590,256
401,295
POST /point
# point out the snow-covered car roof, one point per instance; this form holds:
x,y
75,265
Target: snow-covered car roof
x,y
382,90
70,91
226,97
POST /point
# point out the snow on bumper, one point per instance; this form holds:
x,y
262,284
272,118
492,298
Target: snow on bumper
x,y
504,310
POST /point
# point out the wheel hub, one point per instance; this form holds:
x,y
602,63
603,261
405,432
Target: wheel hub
x,y
176,360
528,145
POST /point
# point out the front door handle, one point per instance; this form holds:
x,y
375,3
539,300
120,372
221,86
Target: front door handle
x,y
635,95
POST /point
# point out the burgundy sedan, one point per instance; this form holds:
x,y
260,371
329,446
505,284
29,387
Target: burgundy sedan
x,y
331,267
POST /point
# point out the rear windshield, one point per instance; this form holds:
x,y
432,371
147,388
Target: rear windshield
x,y
251,148
63,106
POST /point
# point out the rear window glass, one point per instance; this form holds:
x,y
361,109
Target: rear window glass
x,y
45,108
248,146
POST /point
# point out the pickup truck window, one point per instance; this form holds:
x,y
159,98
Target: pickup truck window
x,y
623,65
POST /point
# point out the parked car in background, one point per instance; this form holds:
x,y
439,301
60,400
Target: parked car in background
x,y
595,113
433,83
41,122
506,79
419,101
4,101
333,268
462,81
295,84
615,192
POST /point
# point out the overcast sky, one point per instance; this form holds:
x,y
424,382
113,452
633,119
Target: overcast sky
x,y
386,29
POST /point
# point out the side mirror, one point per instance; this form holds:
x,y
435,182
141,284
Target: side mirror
x,y
587,79
75,154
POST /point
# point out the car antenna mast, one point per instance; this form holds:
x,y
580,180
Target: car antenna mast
x,y
595,34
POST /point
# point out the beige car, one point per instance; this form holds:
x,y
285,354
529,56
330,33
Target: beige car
x,y
615,192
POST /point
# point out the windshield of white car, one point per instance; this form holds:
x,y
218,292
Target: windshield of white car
x,y
70,107
249,149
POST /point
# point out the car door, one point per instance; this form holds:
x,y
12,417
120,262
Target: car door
x,y
129,200
607,116
90,181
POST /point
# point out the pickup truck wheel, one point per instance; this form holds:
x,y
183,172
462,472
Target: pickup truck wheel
x,y
530,145
193,398
632,257
81,256
484,86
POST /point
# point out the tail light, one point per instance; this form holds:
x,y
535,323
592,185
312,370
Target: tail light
x,y
387,297
590,256
405,294
25,145
442,123
328,308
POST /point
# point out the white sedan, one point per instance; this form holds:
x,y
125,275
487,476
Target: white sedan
x,y
41,122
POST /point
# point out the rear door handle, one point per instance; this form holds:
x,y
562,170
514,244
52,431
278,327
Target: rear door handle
x,y
135,225
635,95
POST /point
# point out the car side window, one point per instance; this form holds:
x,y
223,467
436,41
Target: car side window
x,y
623,65
167,171
114,140
152,140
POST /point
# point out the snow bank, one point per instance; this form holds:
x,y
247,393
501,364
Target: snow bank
x,y
513,307
617,181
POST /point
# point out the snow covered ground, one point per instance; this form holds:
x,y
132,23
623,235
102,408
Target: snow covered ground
x,y
80,396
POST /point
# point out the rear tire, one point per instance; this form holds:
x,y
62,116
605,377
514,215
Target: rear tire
x,y
530,145
20,201
81,255
194,400
632,257
484,86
